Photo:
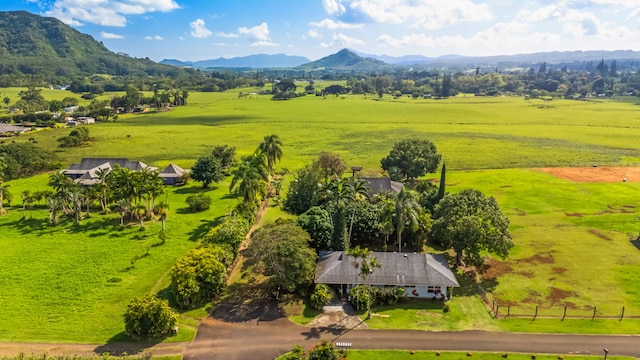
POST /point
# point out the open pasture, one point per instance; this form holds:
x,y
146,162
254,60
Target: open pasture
x,y
72,284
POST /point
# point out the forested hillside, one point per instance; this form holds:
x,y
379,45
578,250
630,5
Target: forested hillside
x,y
31,44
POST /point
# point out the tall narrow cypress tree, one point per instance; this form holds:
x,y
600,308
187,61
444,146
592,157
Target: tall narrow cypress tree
x,y
443,174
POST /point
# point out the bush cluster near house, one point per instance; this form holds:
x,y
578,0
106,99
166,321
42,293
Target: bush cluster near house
x,y
76,137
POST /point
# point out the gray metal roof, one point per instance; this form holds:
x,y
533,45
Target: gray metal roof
x,y
5,128
172,170
401,269
382,184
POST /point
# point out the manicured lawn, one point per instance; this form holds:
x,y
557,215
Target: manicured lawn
x,y
72,284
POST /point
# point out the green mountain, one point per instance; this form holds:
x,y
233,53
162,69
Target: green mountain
x,y
32,44
345,60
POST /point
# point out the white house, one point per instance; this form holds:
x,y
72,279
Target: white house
x,y
421,275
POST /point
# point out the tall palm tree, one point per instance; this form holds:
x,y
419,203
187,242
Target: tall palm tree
x,y
27,199
4,194
139,211
407,211
385,222
75,199
360,189
271,147
337,193
53,203
123,208
250,178
162,210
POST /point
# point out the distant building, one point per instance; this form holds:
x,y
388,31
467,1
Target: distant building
x,y
86,172
377,185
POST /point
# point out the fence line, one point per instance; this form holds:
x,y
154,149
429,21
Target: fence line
x,y
509,311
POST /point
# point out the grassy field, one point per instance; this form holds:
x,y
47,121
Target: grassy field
x,y
572,240
72,284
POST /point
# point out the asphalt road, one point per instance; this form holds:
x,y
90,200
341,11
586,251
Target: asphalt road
x,y
255,339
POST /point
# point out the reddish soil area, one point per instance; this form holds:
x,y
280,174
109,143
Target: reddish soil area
x,y
596,174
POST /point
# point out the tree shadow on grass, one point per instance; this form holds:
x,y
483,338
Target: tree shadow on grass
x,y
636,243
195,190
205,225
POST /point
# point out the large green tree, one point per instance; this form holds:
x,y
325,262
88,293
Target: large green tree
x,y
303,190
207,169
281,251
470,223
317,223
411,158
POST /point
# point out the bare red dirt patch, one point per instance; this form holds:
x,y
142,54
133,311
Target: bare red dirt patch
x,y
596,174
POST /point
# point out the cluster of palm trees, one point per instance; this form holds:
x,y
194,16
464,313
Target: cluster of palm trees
x,y
164,98
133,194
253,176
396,210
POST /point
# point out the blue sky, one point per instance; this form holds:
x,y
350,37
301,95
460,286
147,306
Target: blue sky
x,y
208,29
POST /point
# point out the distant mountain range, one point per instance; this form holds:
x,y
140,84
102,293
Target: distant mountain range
x,y
32,44
346,60
251,61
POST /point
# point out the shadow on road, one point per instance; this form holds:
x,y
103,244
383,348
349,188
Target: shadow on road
x,y
244,302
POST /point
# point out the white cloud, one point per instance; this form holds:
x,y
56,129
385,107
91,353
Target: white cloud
x,y
226,35
263,44
428,14
218,44
333,7
157,37
258,33
343,41
314,34
105,12
107,35
199,29
333,25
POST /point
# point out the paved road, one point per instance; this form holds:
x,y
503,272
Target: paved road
x,y
254,339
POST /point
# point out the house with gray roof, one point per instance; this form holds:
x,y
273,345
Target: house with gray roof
x,y
377,185
172,174
421,275
86,172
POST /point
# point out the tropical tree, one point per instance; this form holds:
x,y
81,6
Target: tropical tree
x,y
139,211
123,207
387,215
468,222
281,251
407,212
411,158
27,200
197,277
366,264
75,200
162,210
53,204
250,178
207,169
271,147
338,192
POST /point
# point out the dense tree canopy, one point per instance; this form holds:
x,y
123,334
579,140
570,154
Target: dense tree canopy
x,y
207,169
470,223
411,158
281,251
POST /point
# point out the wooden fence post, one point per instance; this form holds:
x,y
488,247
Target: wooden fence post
x,y
622,314
594,313
564,314
536,314
497,310
508,311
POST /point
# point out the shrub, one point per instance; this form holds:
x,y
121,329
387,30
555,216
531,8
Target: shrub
x,y
197,277
389,296
321,296
199,202
149,317
231,232
359,296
